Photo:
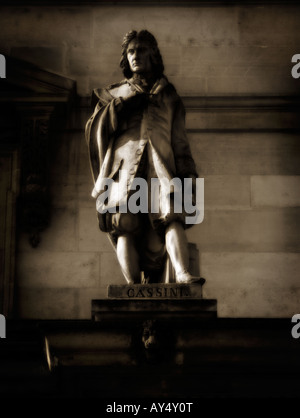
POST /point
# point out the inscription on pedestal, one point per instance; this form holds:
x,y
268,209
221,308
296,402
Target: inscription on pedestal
x,y
156,291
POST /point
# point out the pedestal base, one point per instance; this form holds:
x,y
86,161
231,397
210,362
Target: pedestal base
x,y
155,317
166,301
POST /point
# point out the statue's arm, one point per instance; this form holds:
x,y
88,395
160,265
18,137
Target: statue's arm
x,y
113,110
106,109
101,127
109,116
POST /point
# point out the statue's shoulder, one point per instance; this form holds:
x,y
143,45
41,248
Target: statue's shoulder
x,y
105,95
121,89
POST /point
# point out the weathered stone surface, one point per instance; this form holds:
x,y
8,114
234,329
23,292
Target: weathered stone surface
x,y
67,154
224,50
62,235
84,297
253,270
49,58
49,269
84,187
110,272
45,303
257,302
90,237
259,230
109,23
276,191
63,190
46,27
242,119
252,84
246,153
227,192
264,282
255,24
156,291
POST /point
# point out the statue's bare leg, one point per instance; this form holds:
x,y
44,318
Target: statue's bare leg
x,y
177,247
128,258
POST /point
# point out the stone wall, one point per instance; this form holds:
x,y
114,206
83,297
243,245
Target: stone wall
x,y
248,154
207,50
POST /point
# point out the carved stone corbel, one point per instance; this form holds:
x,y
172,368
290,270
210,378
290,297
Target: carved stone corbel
x,y
158,341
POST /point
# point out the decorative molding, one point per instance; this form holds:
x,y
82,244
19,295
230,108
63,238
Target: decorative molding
x,y
283,103
27,82
192,103
242,114
236,113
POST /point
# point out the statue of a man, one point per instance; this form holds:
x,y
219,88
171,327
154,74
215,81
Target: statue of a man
x,y
137,130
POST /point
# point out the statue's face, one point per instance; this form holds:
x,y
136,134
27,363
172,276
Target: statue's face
x,y
138,55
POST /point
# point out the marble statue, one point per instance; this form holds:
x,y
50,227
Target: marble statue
x,y
137,131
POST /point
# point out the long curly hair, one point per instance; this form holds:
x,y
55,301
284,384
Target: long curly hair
x,y
155,57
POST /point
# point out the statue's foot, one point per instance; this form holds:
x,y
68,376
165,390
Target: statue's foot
x,y
188,278
131,282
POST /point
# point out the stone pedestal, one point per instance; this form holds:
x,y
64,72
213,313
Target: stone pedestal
x,y
155,300
155,317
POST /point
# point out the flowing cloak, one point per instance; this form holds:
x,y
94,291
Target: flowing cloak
x,y
117,139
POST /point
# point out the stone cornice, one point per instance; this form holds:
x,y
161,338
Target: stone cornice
x,y
191,103
282,103
27,82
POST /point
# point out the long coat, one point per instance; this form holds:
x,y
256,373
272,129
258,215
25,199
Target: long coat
x,y
117,139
